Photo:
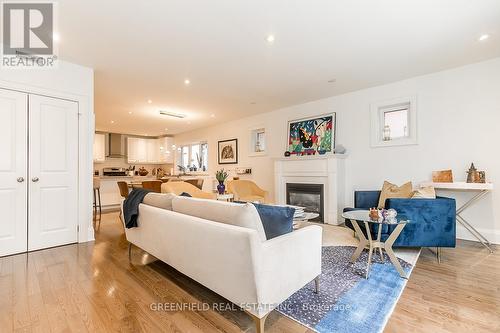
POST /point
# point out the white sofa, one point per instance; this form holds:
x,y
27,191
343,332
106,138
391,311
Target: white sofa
x,y
222,246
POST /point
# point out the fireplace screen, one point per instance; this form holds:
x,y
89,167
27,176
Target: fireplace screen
x,y
309,196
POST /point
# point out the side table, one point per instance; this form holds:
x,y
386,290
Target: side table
x,y
225,197
481,190
373,244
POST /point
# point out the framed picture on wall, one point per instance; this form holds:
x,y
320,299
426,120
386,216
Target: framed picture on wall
x,y
311,136
228,151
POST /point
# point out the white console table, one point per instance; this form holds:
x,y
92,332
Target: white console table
x,y
481,188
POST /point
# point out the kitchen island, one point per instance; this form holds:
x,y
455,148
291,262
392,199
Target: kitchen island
x,y
110,193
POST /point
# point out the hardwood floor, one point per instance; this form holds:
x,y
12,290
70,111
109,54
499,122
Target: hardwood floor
x,y
92,287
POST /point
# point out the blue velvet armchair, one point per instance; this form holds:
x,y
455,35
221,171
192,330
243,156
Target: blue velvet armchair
x,y
432,221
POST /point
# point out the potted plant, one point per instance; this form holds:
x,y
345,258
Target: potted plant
x,y
182,169
221,177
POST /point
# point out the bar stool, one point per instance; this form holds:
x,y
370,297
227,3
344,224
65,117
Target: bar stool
x,y
97,197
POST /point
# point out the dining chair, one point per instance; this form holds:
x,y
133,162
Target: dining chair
x,y
153,185
123,186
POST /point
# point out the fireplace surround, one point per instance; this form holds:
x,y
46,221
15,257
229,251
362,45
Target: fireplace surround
x,y
325,170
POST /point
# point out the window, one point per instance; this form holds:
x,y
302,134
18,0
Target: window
x,y
185,156
194,157
260,145
257,141
394,122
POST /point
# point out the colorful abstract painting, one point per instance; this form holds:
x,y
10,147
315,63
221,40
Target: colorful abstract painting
x,y
312,136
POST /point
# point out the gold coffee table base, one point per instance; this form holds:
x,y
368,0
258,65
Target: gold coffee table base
x,y
372,245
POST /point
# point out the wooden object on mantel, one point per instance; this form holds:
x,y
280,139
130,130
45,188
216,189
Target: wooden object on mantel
x,y
443,176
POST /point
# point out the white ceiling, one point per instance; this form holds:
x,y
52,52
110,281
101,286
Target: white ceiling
x,y
144,50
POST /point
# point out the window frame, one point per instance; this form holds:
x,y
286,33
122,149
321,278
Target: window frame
x,y
189,147
254,134
378,111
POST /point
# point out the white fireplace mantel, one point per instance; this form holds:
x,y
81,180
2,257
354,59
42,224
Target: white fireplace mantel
x,y
327,170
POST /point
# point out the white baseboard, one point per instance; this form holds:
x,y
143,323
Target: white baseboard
x,y
491,235
90,234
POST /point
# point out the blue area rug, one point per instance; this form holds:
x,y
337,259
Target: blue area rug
x,y
347,302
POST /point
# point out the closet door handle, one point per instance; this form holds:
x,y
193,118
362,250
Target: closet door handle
x,y
20,179
35,179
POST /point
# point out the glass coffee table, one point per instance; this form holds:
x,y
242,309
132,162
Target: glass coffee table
x,y
373,244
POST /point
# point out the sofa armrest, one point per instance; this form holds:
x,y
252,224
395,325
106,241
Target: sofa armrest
x,y
432,221
287,264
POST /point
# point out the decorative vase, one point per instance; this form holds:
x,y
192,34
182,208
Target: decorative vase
x,y
221,188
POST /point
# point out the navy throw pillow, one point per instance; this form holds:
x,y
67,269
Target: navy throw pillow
x,y
276,220
185,194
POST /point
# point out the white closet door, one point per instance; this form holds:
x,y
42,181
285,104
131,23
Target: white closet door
x,y
53,172
13,172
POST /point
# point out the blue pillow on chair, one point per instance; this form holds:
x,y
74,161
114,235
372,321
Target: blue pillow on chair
x,y
276,220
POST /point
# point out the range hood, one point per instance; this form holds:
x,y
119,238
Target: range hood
x,y
116,144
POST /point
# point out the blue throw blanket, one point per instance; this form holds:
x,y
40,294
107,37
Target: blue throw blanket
x,y
131,206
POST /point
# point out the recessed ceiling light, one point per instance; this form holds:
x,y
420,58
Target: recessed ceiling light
x,y
484,37
150,101
56,37
187,82
130,112
212,116
270,39
166,129
112,121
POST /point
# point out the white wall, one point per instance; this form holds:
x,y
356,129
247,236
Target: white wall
x,y
73,82
458,123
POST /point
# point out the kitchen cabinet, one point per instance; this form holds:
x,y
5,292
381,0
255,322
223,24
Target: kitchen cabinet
x,y
132,150
166,151
99,148
150,151
110,193
137,150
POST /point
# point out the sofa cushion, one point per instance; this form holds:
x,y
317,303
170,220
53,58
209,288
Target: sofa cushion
x,y
160,200
390,190
425,193
243,215
276,220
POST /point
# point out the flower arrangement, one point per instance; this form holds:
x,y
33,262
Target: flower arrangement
x,y
221,175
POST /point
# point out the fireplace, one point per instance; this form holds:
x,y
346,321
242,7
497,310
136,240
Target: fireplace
x,y
309,196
